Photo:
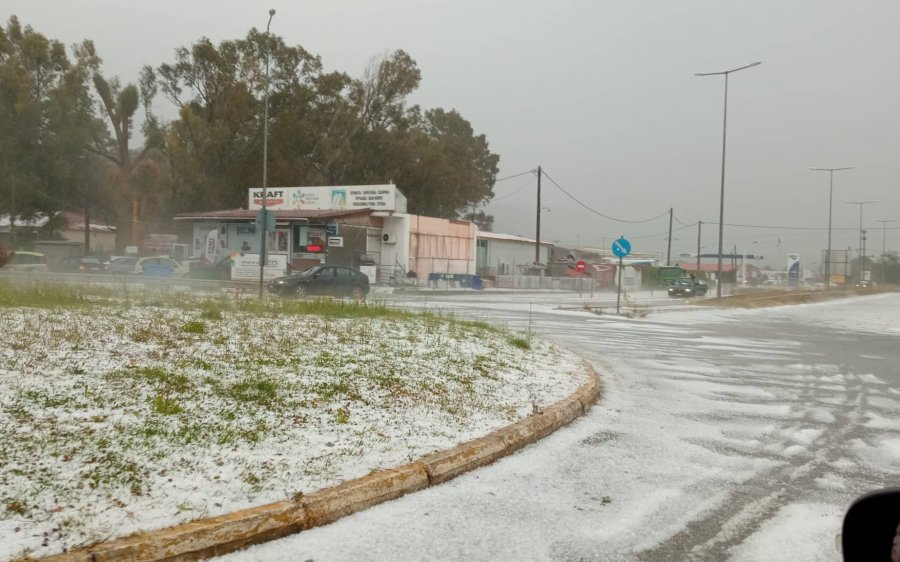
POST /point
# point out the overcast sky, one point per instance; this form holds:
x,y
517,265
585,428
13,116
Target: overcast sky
x,y
603,96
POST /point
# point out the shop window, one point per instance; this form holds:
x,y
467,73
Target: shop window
x,y
309,239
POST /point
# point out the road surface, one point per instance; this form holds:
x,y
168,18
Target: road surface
x,y
721,435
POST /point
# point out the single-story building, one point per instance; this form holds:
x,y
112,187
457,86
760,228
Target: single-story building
x,y
364,226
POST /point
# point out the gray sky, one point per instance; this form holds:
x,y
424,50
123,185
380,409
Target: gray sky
x,y
602,95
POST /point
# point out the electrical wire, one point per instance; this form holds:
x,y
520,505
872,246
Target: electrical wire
x,y
598,213
514,176
527,183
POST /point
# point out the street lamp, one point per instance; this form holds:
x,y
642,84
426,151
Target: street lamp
x,y
265,220
883,243
831,172
862,258
722,191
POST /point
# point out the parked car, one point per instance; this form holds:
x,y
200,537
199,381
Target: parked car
x,y
687,287
121,265
27,261
160,266
331,280
78,264
154,266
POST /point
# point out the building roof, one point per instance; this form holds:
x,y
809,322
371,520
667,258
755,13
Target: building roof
x,y
509,237
72,221
250,214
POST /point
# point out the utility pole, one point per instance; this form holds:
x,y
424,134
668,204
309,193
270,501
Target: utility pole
x,y
264,223
537,236
699,227
862,273
12,215
669,248
85,178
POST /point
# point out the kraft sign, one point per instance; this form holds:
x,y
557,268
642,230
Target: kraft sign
x,y
274,197
327,198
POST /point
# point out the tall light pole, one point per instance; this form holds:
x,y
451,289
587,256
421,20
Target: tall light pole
x,y
883,246
831,172
537,235
722,191
862,258
265,222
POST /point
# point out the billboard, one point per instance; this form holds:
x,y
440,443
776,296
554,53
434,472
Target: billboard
x,y
329,198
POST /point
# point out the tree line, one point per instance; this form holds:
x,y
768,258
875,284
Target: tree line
x,y
68,140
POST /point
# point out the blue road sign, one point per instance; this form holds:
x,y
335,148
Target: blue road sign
x,y
621,247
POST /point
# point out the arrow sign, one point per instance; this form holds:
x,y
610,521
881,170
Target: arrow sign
x,y
621,247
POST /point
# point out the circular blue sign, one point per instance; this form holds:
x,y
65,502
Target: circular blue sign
x,y
621,247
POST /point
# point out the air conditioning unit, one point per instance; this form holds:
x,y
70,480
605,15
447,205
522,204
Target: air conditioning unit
x,y
389,238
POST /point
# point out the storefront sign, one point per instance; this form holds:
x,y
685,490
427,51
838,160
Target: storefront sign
x,y
376,197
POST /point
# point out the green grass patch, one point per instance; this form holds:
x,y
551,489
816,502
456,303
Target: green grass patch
x,y
262,392
166,406
519,342
194,327
42,295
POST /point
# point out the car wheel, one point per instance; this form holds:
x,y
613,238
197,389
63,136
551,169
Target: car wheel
x,y
357,292
300,291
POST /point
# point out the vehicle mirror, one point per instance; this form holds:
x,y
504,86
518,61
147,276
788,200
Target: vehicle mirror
x,y
871,529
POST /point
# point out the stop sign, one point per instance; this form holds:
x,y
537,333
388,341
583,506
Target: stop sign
x,y
580,265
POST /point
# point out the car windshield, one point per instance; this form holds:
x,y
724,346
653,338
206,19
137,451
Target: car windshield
x,y
308,271
687,282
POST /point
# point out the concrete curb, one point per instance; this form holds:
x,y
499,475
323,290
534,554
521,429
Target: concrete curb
x,y
214,536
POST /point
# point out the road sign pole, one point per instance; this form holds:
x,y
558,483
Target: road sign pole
x,y
620,248
619,294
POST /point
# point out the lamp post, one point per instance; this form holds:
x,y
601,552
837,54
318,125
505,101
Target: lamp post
x,y
862,257
883,245
265,168
831,172
722,190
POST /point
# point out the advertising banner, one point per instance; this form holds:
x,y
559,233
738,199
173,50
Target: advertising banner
x,y
375,197
210,249
245,267
793,269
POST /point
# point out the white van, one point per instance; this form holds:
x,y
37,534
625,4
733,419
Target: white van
x,y
26,261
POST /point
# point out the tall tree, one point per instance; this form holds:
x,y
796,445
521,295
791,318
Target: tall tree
x,y
119,104
47,115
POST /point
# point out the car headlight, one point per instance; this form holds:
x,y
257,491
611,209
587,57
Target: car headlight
x,y
689,290
279,281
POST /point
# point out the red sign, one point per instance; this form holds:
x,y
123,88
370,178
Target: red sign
x,y
580,265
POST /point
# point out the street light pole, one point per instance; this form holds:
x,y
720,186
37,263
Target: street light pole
x,y
265,168
831,172
722,189
537,234
862,258
883,247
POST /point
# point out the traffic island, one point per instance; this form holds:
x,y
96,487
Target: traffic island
x,y
214,536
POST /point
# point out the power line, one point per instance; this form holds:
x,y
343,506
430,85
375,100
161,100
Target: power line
x,y
596,212
663,233
510,194
773,227
514,176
